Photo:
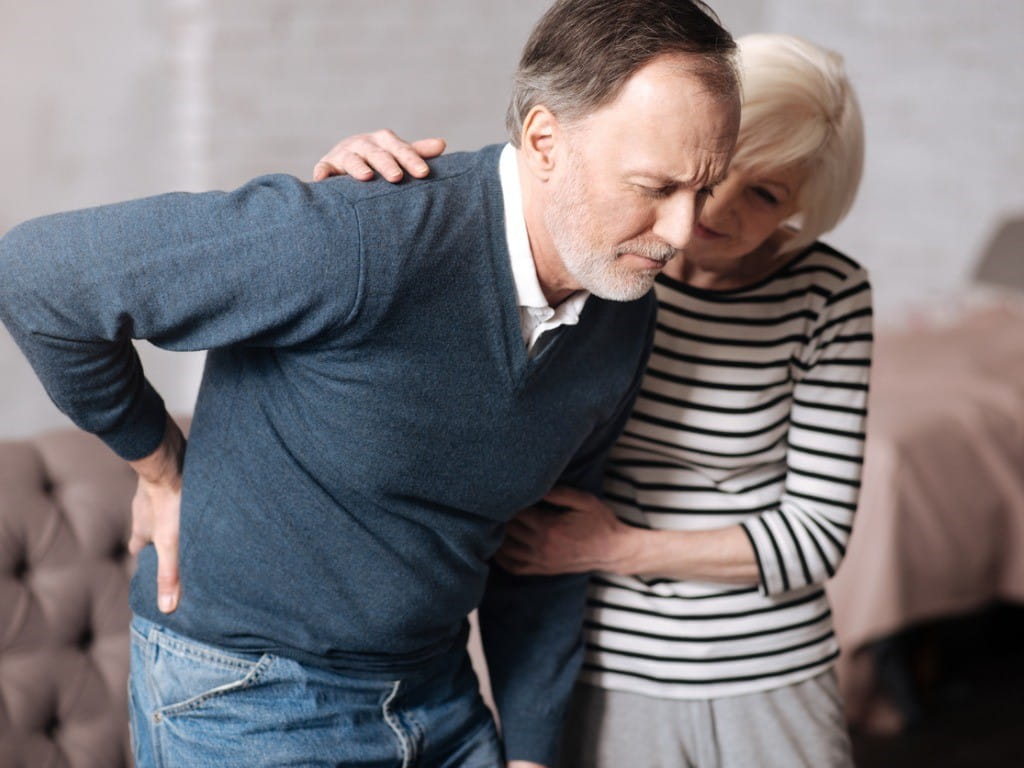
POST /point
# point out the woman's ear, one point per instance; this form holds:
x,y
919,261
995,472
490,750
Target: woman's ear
x,y
539,141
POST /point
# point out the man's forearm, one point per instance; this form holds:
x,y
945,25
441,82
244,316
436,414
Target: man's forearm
x,y
531,631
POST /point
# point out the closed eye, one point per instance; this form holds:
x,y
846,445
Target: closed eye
x,y
766,195
656,192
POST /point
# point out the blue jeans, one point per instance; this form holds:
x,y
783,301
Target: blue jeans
x,y
195,705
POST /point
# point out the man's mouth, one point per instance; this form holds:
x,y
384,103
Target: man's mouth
x,y
647,262
653,255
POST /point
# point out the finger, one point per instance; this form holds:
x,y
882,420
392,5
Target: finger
x,y
168,586
393,150
333,163
512,564
427,148
535,520
137,543
356,165
142,529
523,527
515,538
564,496
409,155
325,169
503,560
343,164
384,162
413,162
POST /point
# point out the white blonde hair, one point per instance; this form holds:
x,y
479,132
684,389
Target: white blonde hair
x,y
799,110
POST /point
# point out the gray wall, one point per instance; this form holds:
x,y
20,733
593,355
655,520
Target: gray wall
x,y
119,98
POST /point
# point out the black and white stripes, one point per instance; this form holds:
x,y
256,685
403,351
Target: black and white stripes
x,y
752,413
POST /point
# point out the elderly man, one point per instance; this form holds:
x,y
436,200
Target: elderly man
x,y
393,373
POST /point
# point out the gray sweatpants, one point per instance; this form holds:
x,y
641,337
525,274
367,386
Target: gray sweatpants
x,y
798,726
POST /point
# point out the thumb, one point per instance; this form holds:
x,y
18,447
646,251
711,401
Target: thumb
x,y
168,586
428,148
566,496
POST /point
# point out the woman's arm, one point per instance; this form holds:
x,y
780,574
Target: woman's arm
x,y
797,544
585,535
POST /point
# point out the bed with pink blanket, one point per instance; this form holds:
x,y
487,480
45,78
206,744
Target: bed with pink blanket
x,y
940,523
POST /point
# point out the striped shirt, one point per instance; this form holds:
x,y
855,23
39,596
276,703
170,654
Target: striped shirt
x,y
752,412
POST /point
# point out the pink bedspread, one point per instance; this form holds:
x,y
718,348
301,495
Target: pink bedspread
x,y
940,524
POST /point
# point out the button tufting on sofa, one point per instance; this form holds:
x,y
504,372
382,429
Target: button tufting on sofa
x,y
85,640
65,519
64,569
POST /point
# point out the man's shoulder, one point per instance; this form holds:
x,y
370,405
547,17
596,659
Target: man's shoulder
x,y
451,174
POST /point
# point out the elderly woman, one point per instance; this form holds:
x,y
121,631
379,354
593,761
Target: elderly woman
x,y
731,494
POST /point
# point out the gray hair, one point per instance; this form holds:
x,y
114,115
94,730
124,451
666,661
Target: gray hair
x,y
582,52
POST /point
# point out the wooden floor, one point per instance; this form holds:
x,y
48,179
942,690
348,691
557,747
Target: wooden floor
x,y
963,692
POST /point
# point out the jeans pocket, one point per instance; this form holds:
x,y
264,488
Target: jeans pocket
x,y
185,674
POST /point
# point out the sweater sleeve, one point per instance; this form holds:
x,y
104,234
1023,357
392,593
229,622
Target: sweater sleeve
x,y
532,626
275,262
802,541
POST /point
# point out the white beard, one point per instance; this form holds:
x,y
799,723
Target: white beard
x,y
569,222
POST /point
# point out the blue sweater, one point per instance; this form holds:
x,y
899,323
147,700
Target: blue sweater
x,y
368,419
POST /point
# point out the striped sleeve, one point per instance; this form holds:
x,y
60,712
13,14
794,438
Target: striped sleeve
x,y
802,541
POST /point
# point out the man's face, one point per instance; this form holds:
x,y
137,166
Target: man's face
x,y
632,177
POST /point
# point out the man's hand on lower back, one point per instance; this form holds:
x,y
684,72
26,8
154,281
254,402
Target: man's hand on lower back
x,y
156,511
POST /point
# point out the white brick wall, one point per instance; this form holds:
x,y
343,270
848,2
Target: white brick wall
x,y
942,90
113,99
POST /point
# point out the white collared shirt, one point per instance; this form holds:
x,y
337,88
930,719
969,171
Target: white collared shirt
x,y
535,314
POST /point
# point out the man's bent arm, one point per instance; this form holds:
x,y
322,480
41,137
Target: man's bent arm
x,y
273,263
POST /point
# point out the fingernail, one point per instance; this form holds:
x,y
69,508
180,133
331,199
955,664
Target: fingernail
x,y
166,603
421,169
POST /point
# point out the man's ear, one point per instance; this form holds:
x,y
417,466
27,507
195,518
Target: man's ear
x,y
539,141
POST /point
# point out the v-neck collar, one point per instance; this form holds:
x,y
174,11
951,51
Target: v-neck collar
x,y
532,307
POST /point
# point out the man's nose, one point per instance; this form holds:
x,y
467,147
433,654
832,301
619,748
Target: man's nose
x,y
676,218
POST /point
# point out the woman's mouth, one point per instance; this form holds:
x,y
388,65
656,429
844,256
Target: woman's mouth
x,y
707,232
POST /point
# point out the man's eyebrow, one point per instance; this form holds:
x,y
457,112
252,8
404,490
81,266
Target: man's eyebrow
x,y
661,180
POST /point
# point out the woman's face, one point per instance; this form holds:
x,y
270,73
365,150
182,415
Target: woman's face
x,y
743,212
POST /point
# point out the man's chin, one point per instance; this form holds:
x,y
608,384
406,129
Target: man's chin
x,y
631,289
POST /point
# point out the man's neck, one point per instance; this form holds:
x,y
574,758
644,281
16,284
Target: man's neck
x,y
555,280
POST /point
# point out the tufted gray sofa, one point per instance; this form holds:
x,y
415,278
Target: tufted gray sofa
x,y
64,571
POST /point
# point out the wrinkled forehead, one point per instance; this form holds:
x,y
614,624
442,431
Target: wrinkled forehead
x,y
665,120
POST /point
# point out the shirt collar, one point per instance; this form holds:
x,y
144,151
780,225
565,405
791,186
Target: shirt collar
x,y
524,272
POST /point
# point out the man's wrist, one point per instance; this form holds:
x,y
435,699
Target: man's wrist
x,y
164,465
